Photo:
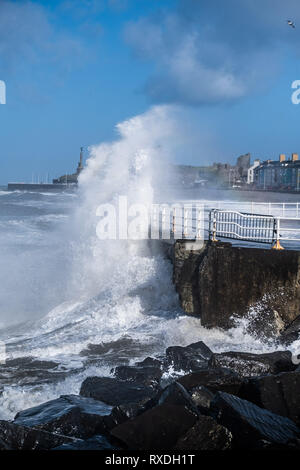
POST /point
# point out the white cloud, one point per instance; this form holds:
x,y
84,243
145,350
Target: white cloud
x,y
208,52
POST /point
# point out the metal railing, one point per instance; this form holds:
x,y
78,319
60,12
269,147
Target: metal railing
x,y
199,222
240,226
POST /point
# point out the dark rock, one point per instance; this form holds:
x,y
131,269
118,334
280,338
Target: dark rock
x,y
70,415
215,379
202,397
16,437
122,413
277,393
190,358
249,365
150,362
158,428
222,280
206,434
147,375
173,394
251,426
291,333
116,392
93,443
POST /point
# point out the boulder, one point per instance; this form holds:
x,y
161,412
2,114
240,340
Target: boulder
x,y
221,280
70,415
215,379
16,437
147,375
121,413
251,426
116,392
158,428
191,358
173,394
252,365
277,393
206,434
202,397
150,362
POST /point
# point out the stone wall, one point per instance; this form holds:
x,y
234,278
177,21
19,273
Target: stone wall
x,y
220,281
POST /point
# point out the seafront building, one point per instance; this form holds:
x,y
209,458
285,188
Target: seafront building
x,y
280,175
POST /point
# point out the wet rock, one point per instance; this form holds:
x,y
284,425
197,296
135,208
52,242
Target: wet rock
x,y
158,428
202,397
147,375
291,333
70,415
93,443
251,426
215,379
190,358
173,394
16,437
122,413
116,392
251,365
205,281
277,393
150,362
206,434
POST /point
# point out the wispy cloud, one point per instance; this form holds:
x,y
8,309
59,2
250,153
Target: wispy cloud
x,y
208,52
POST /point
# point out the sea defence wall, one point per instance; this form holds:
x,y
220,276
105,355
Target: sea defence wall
x,y
221,282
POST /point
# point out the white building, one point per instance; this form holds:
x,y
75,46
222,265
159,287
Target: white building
x,y
250,176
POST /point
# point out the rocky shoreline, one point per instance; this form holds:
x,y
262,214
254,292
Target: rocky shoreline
x,y
230,400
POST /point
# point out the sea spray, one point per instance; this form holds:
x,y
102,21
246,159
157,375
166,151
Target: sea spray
x,y
116,293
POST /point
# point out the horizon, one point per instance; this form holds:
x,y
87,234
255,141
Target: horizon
x,y
74,70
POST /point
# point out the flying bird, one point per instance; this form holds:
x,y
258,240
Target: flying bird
x,y
291,23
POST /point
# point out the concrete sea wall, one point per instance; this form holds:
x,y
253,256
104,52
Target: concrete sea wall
x,y
221,280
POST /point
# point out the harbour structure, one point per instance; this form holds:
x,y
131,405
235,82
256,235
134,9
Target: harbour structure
x,y
279,175
65,182
73,178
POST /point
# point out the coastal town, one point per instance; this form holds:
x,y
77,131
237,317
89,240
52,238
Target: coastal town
x,y
282,174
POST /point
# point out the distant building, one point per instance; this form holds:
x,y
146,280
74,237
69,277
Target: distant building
x,y
243,165
74,177
278,175
250,173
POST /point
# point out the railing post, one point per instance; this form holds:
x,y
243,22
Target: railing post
x,y
174,221
185,223
214,228
277,245
198,225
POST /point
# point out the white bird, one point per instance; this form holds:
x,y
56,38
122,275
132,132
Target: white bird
x,y
291,23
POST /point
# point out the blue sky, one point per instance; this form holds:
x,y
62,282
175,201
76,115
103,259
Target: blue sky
x,y
75,68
